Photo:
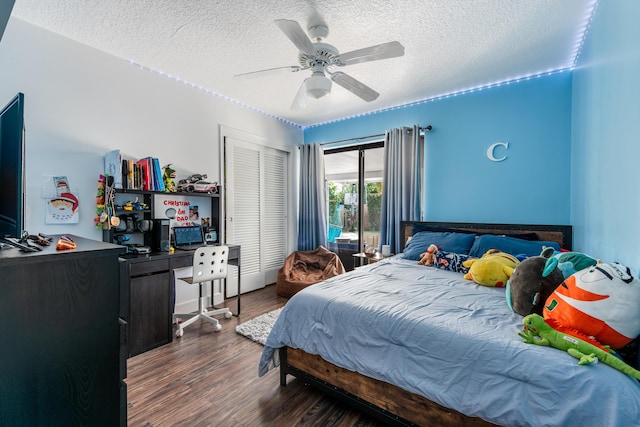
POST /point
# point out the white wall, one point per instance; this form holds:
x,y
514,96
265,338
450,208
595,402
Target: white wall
x,y
81,103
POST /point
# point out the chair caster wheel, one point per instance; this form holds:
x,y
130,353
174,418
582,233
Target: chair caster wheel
x,y
179,333
227,315
217,328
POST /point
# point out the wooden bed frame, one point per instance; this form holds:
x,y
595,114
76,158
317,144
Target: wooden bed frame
x,y
385,401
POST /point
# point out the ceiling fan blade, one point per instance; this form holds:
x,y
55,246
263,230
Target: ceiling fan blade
x,y
269,72
300,101
371,53
296,34
356,87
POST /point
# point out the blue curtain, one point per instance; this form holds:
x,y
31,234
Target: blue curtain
x,y
312,222
402,183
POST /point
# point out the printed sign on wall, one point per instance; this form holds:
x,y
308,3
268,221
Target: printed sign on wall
x,y
182,210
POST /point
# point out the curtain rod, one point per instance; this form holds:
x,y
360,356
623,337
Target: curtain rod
x,y
426,128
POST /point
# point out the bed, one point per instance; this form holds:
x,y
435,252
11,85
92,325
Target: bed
x,y
415,345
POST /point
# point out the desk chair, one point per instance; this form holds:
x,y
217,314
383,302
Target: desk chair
x,y
209,263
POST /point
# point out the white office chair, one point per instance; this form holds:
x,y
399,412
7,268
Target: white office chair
x,y
209,263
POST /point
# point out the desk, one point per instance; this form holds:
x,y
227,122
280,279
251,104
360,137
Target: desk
x,y
148,284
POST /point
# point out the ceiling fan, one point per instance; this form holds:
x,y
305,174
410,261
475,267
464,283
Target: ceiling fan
x,y
322,59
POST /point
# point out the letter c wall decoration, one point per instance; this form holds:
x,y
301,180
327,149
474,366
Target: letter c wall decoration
x,y
492,149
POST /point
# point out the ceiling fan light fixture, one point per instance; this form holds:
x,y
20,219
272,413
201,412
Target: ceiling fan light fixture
x,y
317,86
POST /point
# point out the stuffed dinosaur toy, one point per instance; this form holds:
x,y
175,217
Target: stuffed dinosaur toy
x,y
168,178
529,287
602,301
537,331
493,269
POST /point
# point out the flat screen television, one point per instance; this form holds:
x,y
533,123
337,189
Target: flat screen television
x,y
12,182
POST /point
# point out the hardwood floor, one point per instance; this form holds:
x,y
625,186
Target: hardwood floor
x,y
208,378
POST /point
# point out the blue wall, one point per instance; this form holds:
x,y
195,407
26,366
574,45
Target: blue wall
x,y
461,184
605,202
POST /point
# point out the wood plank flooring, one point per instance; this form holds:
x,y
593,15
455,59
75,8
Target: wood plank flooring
x,y
208,378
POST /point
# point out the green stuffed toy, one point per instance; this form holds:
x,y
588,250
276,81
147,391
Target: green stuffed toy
x,y
168,178
493,269
537,331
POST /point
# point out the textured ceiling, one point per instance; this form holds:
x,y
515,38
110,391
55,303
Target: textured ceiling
x,y
450,45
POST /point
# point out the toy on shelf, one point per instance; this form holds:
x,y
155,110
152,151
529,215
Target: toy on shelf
x,y
197,183
205,187
168,178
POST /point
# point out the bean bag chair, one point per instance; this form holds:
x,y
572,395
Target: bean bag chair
x,y
305,268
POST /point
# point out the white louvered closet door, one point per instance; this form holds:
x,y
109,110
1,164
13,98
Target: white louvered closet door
x,y
256,209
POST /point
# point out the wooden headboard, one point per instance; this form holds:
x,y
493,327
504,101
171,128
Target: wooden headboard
x,y
562,234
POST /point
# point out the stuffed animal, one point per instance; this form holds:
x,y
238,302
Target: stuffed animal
x,y
529,287
451,261
569,263
540,332
429,257
493,269
602,301
168,179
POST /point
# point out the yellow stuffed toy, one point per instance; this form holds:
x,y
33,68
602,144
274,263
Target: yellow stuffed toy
x,y
493,269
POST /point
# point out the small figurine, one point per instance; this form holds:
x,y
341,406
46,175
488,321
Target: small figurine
x,y
167,178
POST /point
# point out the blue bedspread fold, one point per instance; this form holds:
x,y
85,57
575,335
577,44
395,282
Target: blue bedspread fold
x,y
435,334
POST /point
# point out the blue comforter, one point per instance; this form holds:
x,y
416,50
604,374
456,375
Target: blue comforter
x,y
435,334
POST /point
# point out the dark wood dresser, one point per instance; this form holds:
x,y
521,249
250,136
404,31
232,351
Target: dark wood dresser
x,y
63,358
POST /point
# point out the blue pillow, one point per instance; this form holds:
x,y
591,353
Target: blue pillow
x,y
510,245
459,243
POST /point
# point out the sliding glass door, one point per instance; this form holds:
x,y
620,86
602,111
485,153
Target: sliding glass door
x,y
354,192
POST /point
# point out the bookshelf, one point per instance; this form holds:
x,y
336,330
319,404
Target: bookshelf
x,y
131,231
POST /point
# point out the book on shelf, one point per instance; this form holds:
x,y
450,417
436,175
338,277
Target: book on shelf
x,y
158,171
143,174
113,167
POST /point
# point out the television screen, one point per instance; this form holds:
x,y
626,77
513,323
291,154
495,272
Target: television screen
x,y
12,168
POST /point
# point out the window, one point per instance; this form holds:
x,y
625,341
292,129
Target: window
x,y
354,194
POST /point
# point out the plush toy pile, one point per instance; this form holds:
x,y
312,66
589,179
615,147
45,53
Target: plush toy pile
x,y
576,294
